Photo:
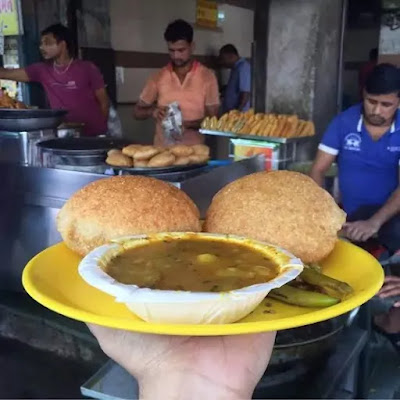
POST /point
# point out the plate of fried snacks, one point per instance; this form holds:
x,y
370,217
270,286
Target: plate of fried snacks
x,y
260,124
135,256
136,157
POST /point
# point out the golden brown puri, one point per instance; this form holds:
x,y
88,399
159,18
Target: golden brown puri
x,y
181,150
140,164
131,149
164,159
119,160
114,151
124,205
181,161
201,149
145,153
284,208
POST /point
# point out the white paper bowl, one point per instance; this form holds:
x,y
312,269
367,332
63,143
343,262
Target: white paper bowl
x,y
183,307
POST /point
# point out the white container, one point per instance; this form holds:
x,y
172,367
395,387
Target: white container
x,y
184,307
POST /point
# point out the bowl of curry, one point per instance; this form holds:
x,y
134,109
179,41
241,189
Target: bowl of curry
x,y
189,278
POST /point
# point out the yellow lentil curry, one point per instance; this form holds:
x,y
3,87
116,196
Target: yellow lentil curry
x,y
198,265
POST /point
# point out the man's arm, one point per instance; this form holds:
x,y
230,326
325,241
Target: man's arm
x,y
244,98
14,74
210,111
146,106
102,98
244,85
142,110
389,209
321,165
360,231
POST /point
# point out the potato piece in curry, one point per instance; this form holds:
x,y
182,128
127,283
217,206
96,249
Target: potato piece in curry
x,y
198,265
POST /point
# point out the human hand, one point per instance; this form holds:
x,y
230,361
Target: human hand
x,y
390,288
182,367
361,231
159,113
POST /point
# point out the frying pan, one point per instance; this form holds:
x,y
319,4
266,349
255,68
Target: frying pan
x,y
77,151
13,120
81,146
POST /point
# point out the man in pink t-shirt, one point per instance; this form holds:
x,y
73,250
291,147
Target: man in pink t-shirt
x,y
74,85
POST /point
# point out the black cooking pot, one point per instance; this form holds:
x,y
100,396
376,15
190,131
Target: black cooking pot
x,y
77,151
12,120
305,344
298,355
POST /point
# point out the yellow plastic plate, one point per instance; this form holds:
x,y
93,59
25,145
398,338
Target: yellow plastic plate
x,y
52,279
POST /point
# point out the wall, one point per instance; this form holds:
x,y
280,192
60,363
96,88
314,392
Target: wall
x,y
389,44
137,37
302,61
94,24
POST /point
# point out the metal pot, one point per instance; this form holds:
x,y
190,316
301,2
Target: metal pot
x,y
306,343
77,152
70,130
30,120
298,353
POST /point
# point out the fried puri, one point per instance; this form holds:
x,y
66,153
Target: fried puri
x,y
131,150
284,208
181,150
117,159
164,159
201,149
145,153
121,206
113,151
182,161
140,164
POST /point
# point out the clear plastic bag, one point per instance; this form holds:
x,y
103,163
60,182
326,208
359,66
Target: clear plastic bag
x,y
114,123
172,124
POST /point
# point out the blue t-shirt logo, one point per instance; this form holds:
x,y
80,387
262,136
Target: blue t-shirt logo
x,y
352,142
394,149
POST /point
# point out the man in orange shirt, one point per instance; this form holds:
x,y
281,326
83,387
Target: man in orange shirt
x,y
183,80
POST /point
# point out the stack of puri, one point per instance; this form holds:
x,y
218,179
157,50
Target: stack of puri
x,y
141,156
287,209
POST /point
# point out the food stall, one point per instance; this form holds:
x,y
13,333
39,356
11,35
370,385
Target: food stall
x,y
276,136
37,182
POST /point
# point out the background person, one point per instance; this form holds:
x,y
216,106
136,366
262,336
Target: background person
x,y
184,80
74,85
365,141
238,90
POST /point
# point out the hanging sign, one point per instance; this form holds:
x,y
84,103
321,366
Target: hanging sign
x,y
10,17
207,13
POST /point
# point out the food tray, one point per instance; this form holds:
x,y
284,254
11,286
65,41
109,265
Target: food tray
x,y
159,170
52,279
255,137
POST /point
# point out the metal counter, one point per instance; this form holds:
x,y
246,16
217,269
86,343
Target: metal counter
x,y
31,197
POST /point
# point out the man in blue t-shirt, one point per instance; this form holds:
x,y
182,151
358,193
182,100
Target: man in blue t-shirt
x,y
365,140
237,92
